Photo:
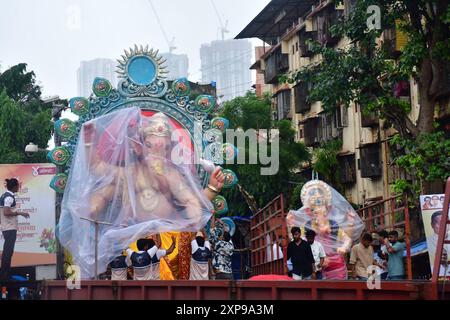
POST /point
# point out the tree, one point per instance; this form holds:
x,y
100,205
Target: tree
x,y
19,84
24,117
252,112
365,73
326,162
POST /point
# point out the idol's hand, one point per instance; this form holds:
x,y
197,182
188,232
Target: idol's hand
x,y
217,178
351,218
326,262
290,219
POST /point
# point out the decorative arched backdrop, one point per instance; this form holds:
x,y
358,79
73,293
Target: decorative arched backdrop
x,y
143,85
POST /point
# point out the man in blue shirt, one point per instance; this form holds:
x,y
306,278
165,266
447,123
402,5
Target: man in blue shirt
x,y
394,251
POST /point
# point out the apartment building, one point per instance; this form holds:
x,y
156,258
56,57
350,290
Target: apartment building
x,y
365,164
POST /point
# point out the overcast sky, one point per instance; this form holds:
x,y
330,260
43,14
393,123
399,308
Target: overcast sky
x,y
53,36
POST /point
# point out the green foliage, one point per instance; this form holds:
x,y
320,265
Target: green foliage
x,y
426,158
326,161
23,116
295,199
365,72
12,122
252,112
19,84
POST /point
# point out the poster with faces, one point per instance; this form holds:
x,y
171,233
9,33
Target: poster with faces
x,y
432,206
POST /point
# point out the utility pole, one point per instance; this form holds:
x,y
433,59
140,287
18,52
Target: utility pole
x,y
57,109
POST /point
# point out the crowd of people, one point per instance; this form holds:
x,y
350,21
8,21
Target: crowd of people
x,y
380,256
210,257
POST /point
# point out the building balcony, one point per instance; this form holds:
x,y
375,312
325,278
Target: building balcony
x,y
306,47
310,136
325,19
276,63
283,104
301,92
394,41
321,128
369,120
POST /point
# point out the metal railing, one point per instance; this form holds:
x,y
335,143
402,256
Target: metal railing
x,y
267,226
391,213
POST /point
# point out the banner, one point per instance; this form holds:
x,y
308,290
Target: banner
x,y
431,206
36,243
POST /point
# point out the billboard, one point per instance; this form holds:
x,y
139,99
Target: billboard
x,y
431,206
35,244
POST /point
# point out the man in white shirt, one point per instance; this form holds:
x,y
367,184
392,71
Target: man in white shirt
x,y
201,255
145,261
277,251
9,223
119,267
317,251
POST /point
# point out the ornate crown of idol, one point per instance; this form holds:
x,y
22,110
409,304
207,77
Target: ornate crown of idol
x,y
158,126
315,184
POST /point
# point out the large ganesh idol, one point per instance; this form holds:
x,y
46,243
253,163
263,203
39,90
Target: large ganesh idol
x,y
127,167
334,221
132,175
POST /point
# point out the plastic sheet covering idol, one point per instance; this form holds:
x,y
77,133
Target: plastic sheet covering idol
x,y
334,221
127,175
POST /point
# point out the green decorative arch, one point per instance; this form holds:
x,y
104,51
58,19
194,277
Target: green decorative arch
x,y
143,84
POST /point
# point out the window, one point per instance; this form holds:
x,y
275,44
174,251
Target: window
x,y
276,64
368,119
300,95
283,101
305,44
349,6
325,20
370,160
341,115
347,169
310,131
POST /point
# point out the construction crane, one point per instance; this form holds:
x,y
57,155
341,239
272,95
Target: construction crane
x,y
223,28
170,44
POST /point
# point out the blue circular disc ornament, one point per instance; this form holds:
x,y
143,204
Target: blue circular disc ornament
x,y
101,87
230,152
230,178
220,205
181,87
220,123
230,226
142,70
79,106
59,182
65,128
204,103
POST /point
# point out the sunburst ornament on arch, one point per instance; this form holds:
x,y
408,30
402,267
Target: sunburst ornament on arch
x,y
143,73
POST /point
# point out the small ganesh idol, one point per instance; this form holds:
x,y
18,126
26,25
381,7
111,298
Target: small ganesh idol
x,y
334,221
